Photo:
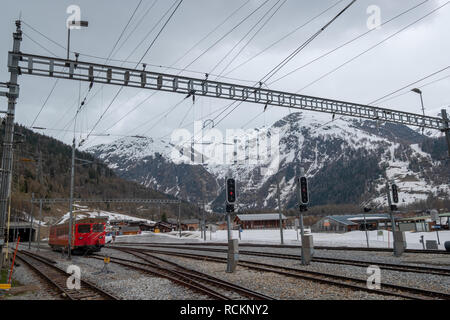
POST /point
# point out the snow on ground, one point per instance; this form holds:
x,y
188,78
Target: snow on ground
x,y
350,239
82,212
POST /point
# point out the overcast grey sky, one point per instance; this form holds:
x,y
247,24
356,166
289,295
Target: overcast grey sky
x,y
412,54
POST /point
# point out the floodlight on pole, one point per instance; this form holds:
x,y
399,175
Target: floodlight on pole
x,y
71,24
418,91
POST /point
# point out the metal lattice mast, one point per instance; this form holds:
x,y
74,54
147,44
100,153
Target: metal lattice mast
x,y
108,74
8,139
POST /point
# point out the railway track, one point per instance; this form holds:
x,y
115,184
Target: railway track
x,y
385,266
200,282
257,245
56,279
326,278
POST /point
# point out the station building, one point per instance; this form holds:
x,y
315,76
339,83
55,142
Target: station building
x,y
346,223
260,221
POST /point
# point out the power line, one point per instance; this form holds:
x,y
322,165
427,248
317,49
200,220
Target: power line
x,y
148,49
422,86
160,31
204,52
253,37
138,24
409,85
112,50
45,102
180,70
151,30
227,33
284,37
278,67
43,35
39,44
372,47
348,42
124,61
337,48
243,37
124,29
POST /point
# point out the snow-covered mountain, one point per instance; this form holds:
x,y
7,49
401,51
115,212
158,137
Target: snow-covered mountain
x,y
346,161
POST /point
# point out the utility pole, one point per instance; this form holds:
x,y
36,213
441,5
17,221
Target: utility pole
x,y
39,229
365,229
204,221
446,129
31,221
7,161
280,214
179,219
72,182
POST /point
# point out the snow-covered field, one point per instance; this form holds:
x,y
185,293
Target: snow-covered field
x,y
350,239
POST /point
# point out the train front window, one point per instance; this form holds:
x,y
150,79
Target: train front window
x,y
84,228
97,227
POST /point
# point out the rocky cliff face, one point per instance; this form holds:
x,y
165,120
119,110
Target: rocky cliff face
x,y
346,161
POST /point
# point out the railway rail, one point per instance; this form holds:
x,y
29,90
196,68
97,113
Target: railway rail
x,y
200,282
386,289
56,279
287,246
359,263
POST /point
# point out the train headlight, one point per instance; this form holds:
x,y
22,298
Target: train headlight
x,y
80,238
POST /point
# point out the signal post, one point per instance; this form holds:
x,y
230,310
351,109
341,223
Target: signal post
x,y
398,236
307,240
233,248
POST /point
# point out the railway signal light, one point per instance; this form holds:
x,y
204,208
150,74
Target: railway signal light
x,y
231,191
304,198
394,193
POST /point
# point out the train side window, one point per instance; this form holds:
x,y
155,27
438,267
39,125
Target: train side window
x,y
84,228
97,227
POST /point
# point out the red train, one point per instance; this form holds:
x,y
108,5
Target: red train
x,y
88,235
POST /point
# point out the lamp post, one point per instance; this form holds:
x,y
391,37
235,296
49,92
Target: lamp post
x,y
418,91
72,173
74,24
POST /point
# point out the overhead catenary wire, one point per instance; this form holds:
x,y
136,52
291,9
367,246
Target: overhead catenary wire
x,y
372,47
138,24
251,39
115,45
247,33
54,84
339,47
201,54
124,29
125,61
282,38
130,19
148,49
301,47
59,45
349,42
420,87
409,85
